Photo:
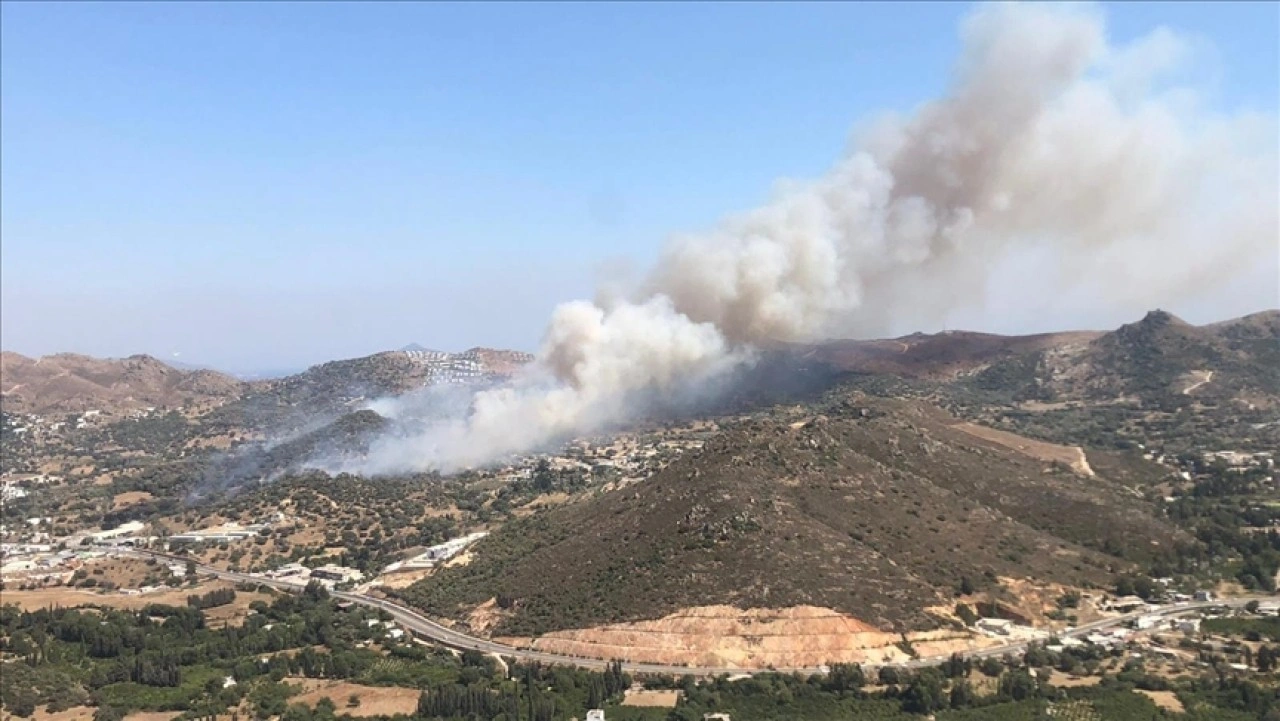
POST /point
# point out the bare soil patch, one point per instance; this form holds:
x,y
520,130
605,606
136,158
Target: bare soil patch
x,y
75,713
462,559
152,716
651,699
129,498
1062,680
125,572
1072,456
797,637
374,700
73,598
234,613
486,615
404,579
1166,700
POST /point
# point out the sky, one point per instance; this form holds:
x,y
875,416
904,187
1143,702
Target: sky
x,y
262,186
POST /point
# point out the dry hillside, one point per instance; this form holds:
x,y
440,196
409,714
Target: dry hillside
x,y
874,508
68,382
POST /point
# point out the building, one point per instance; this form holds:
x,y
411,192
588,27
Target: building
x,y
1144,623
289,571
223,534
337,574
451,548
11,492
436,554
1189,625
716,717
595,714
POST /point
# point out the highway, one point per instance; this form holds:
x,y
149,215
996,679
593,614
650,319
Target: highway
x,y
424,627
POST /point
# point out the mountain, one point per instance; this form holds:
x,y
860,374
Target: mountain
x,y
942,356
414,347
876,508
1160,360
68,382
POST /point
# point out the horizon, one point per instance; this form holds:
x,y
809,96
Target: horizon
x,y
266,373
259,188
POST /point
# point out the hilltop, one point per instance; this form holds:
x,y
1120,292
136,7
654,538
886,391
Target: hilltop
x,y
1157,360
941,356
330,390
68,382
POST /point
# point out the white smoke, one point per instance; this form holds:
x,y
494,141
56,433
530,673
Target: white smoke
x,y
1050,141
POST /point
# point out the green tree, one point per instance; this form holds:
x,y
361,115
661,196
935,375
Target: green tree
x,y
924,694
962,695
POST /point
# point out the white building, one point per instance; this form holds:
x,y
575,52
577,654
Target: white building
x,y
11,492
226,533
337,574
1144,623
451,548
288,571
436,554
595,714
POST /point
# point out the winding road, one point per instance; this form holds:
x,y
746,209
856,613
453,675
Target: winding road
x,y
424,627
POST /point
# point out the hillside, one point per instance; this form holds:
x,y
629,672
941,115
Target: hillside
x,y
68,382
345,438
874,508
1160,359
331,389
941,356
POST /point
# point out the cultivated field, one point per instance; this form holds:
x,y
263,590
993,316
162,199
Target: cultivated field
x,y
374,700
651,699
73,598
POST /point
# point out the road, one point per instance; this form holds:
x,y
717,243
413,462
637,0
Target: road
x,y
1207,378
424,627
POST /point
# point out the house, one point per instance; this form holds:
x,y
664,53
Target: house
x,y
1189,625
337,574
1204,595
1146,622
716,717
595,714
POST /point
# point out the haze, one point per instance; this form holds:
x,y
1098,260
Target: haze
x,y
269,186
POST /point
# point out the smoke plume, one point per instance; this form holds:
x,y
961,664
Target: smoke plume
x,y
1050,143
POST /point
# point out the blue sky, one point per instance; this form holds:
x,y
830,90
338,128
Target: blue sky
x,y
263,185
